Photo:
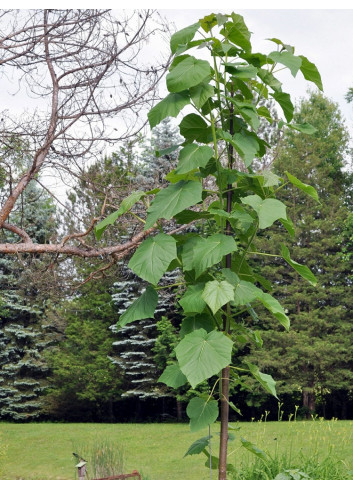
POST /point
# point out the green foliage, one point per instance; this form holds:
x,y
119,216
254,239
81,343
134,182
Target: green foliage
x,y
142,308
221,141
313,360
153,257
202,412
84,381
202,355
25,329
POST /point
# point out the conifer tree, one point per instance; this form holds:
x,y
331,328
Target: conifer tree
x,y
25,332
312,360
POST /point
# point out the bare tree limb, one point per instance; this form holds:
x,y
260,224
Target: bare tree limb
x,y
87,70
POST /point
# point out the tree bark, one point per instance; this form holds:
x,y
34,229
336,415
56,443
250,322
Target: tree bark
x,y
309,402
223,449
179,410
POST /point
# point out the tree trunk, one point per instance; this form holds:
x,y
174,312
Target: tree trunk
x,y
223,447
309,403
222,474
179,407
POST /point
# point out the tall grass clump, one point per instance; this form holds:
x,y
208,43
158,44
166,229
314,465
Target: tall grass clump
x,y
294,450
104,458
284,467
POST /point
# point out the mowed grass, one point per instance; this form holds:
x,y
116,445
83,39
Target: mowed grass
x,y
44,450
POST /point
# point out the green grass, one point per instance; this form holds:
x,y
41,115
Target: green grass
x,y
44,450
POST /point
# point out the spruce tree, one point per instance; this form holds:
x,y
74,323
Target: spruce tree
x,y
25,332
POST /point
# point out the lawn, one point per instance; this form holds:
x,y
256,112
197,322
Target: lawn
x,y
44,450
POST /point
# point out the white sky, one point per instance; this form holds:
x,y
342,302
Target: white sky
x,y
324,36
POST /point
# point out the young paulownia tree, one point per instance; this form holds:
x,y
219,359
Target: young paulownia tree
x,y
214,182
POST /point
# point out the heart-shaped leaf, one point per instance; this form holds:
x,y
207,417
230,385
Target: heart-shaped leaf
x,y
201,413
172,200
153,256
201,355
173,376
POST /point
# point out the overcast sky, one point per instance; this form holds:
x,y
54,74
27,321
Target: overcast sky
x,y
324,36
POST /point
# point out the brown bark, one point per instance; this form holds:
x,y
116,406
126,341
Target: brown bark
x,y
179,407
309,402
223,449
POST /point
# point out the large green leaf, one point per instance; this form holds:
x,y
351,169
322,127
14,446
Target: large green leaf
x,y
301,269
244,219
193,127
265,380
242,72
201,355
287,59
170,106
192,301
268,210
217,294
285,102
310,72
174,177
243,292
308,189
198,446
125,206
238,33
201,413
247,146
264,112
193,156
201,93
188,73
269,178
270,80
183,36
172,200
209,251
141,308
249,113
187,254
173,376
152,258
199,321
275,308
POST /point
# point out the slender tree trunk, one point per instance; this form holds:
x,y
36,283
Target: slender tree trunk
x,y
223,448
179,410
309,402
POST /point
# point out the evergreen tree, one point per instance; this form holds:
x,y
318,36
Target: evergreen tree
x,y
85,385
133,348
313,360
24,329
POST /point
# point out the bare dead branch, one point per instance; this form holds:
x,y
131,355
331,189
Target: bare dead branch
x,y
93,83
